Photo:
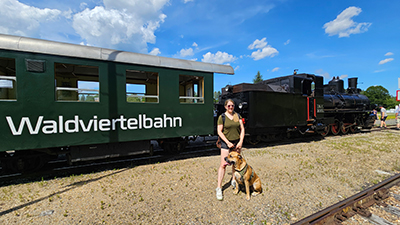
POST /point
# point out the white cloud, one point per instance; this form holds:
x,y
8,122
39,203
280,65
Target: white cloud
x,y
24,20
195,44
343,25
275,69
219,58
321,72
385,61
83,5
130,22
318,55
343,76
145,9
186,52
264,50
155,51
258,44
379,71
186,1
389,53
287,42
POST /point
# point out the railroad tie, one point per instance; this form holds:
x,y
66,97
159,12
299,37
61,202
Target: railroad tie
x,y
392,210
374,219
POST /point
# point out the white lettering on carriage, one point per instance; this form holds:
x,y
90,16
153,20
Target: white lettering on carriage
x,y
76,124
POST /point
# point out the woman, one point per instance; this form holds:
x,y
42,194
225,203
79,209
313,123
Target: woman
x,y
231,132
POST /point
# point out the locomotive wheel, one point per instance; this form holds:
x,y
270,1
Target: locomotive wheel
x,y
326,131
343,129
253,140
352,129
335,128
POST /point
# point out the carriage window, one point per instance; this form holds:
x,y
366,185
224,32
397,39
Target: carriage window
x,y
191,89
8,80
78,83
141,86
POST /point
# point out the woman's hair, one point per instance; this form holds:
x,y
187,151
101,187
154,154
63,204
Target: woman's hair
x,y
229,100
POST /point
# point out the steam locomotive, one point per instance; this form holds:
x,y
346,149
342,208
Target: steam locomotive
x,y
347,110
298,103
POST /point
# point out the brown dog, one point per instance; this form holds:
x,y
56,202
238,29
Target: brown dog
x,y
244,174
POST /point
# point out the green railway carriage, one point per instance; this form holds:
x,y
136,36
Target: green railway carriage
x,y
92,102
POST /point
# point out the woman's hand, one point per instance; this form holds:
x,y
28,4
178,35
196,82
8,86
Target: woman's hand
x,y
239,146
230,145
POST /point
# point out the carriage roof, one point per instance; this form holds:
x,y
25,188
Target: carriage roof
x,y
25,44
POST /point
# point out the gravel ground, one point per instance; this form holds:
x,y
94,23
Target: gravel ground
x,y
298,179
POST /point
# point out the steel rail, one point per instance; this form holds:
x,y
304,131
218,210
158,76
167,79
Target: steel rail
x,y
356,204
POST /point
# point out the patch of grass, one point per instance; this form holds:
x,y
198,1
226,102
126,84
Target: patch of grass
x,y
396,166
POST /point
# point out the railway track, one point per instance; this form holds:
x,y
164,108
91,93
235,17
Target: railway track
x,y
378,204
197,148
60,167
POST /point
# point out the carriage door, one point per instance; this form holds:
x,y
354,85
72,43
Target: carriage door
x,y
308,87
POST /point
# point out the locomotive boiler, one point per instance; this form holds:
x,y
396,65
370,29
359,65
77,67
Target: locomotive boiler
x,y
346,110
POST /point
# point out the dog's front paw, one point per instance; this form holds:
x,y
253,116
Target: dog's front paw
x,y
247,197
236,191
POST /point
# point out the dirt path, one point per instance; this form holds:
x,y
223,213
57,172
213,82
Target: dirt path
x,y
298,179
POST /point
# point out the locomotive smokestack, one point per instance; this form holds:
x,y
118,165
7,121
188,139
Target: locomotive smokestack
x,y
353,83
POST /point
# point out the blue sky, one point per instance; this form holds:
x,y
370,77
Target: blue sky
x,y
342,38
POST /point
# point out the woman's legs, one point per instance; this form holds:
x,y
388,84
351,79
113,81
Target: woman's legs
x,y
233,182
222,166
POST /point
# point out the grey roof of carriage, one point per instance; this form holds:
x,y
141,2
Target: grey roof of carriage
x,y
25,44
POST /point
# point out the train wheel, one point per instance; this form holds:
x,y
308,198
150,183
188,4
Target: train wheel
x,y
69,159
343,129
352,129
151,150
335,128
26,161
169,148
174,146
326,131
253,140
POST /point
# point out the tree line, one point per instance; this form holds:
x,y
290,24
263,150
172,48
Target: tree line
x,y
380,96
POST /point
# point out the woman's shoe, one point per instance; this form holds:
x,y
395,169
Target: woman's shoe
x,y
219,194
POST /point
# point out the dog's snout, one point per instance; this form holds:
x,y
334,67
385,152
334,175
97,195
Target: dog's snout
x,y
229,161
